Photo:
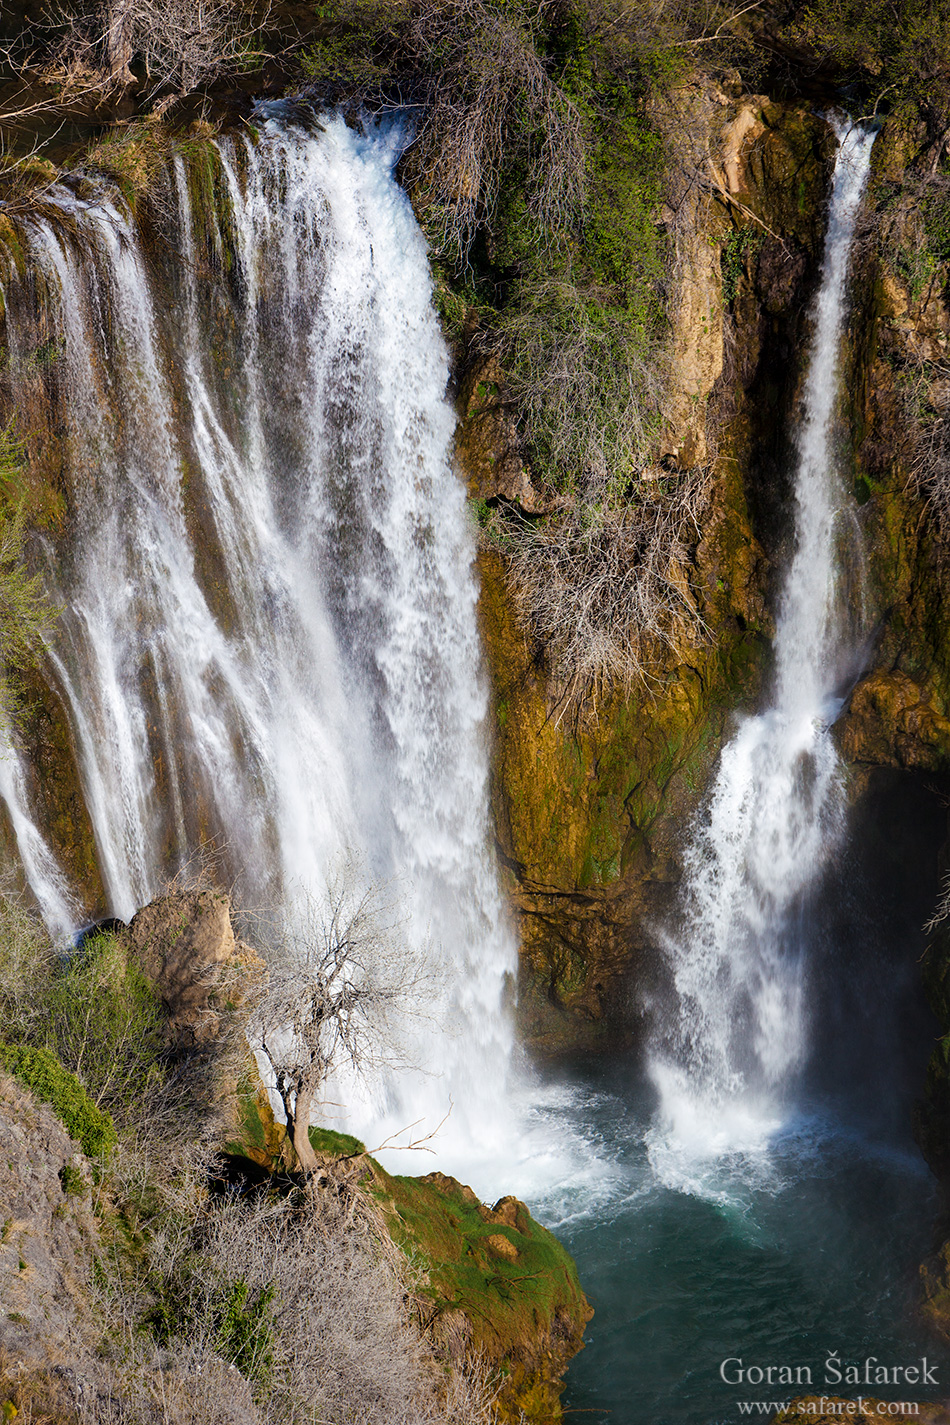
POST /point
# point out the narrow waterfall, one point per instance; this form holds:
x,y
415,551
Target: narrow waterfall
x,y
270,633
775,812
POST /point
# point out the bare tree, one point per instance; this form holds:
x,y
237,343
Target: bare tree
x,y
337,991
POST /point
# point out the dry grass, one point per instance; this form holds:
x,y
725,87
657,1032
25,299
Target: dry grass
x,y
606,589
326,1333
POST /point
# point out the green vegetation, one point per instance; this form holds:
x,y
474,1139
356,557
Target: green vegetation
x,y
467,1263
900,53
25,612
91,1011
102,1018
243,1331
508,1277
45,1076
536,174
741,244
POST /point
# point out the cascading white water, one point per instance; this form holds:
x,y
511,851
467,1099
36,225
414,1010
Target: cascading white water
x,y
776,809
270,634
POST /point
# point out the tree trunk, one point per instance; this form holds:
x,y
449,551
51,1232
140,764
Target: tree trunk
x,y
298,1126
118,40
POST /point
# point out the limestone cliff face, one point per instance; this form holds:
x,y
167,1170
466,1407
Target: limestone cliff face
x,y
591,808
45,1250
898,712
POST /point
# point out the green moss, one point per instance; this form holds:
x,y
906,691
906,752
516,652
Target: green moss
x,y
338,1145
507,1296
45,1077
252,1138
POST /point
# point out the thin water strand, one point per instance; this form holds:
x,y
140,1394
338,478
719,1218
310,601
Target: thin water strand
x,y
775,812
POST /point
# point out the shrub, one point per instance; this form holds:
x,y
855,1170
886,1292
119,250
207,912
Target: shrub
x,y
244,1330
605,588
900,53
535,175
45,1077
488,110
25,612
104,1022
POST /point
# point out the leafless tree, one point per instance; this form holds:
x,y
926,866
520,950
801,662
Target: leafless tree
x,y
338,988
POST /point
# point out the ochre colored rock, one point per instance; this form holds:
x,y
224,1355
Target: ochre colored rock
x,y
488,447
892,721
183,943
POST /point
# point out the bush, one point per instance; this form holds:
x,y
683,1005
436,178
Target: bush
x,y
606,588
45,1077
103,1020
900,53
93,1010
536,176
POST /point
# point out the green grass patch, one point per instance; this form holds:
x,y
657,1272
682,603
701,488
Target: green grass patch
x,y
509,1294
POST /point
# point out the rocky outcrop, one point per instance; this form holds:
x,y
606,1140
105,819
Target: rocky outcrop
x,y
900,331
497,1285
744,214
185,946
591,807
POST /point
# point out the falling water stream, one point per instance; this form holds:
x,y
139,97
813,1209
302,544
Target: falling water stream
x,y
740,953
269,641
269,635
770,1208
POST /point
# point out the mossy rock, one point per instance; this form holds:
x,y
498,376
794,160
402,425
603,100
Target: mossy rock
x,y
589,809
497,1283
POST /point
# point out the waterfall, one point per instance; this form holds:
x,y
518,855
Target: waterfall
x,y
270,632
775,812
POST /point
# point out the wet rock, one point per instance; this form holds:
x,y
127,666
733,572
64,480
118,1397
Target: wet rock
x,y
892,721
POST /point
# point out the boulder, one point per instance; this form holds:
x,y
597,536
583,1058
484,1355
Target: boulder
x,y
184,944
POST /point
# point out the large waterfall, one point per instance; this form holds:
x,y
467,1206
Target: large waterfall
x,y
775,811
269,636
